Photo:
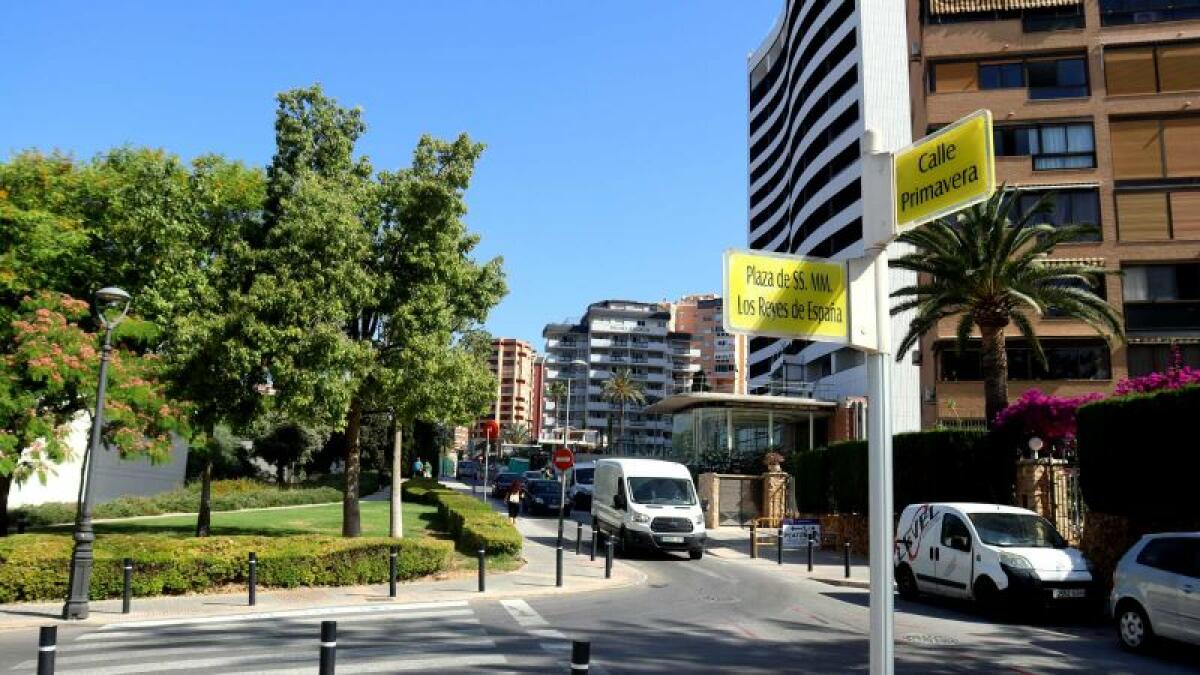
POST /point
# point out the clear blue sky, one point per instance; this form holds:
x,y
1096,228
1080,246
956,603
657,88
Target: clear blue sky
x,y
616,131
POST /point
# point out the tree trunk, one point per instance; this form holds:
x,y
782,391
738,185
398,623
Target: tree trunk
x,y
204,517
994,363
281,475
351,523
625,449
5,485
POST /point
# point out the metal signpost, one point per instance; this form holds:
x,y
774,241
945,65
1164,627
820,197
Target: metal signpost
x,y
563,459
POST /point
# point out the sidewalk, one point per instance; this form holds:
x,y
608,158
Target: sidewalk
x,y
535,578
733,543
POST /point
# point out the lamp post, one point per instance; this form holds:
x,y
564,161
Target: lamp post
x,y
562,478
79,584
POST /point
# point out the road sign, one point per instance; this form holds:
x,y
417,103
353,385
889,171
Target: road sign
x,y
563,458
786,296
947,170
797,532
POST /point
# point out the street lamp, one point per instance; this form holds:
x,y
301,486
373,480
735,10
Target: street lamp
x,y
562,476
107,299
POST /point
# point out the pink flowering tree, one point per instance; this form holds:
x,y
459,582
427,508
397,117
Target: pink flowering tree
x,y
1177,375
1050,418
49,365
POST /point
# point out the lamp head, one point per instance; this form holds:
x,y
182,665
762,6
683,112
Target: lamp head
x,y
112,298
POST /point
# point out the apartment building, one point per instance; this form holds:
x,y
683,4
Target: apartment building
x,y
513,363
615,335
722,356
1099,102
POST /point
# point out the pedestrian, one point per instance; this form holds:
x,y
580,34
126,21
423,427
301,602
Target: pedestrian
x,y
429,469
514,502
417,468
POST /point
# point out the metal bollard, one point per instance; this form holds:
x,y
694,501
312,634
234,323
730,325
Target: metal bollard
x,y
22,523
558,563
253,578
608,556
846,558
392,556
581,655
127,596
779,553
482,570
594,536
47,644
328,647
810,550
578,537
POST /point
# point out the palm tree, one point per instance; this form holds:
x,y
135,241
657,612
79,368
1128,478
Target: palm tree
x,y
515,434
986,266
556,392
622,389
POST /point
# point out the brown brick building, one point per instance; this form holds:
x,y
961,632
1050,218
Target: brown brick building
x,y
722,356
1099,101
513,364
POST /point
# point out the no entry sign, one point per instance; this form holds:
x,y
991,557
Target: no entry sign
x,y
563,459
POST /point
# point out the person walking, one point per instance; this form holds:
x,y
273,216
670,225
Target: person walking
x,y
428,470
514,501
417,468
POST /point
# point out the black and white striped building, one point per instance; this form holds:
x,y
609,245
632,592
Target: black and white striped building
x,y
808,82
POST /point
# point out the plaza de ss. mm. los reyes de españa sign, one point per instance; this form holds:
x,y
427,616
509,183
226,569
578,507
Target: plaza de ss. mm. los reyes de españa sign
x,y
785,296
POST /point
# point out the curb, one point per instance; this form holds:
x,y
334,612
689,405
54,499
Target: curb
x,y
846,583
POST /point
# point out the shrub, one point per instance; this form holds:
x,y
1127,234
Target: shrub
x,y
471,523
1137,454
811,472
36,566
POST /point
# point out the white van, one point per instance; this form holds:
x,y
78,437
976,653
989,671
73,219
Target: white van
x,y
648,503
989,553
579,489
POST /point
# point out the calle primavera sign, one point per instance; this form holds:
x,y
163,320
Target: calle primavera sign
x,y
945,171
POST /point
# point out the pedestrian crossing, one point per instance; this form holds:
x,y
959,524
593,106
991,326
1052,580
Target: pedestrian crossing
x,y
414,637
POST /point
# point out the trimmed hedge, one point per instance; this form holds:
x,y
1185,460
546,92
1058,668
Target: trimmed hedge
x,y
938,465
36,566
1137,453
473,524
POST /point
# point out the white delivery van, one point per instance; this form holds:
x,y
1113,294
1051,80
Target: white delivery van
x,y
647,503
990,553
579,490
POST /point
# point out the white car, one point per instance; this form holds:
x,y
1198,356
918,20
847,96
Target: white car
x,y
1156,590
993,554
648,503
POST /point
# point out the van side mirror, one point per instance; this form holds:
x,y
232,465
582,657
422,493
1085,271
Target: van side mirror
x,y
619,502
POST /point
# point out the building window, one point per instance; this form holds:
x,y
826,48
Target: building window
x,y
1158,358
819,368
1162,297
1156,148
1002,75
1158,215
1069,207
1057,78
1146,70
1066,360
1125,12
1064,77
1052,146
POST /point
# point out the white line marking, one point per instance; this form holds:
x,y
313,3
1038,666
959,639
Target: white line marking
x,y
450,663
288,613
523,614
547,633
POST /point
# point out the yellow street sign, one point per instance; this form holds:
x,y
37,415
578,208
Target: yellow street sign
x,y
952,168
787,296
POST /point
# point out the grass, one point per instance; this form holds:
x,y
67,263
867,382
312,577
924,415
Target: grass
x,y
324,519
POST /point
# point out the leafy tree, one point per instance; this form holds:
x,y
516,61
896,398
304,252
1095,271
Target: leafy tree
x,y
284,444
986,267
49,368
219,447
623,390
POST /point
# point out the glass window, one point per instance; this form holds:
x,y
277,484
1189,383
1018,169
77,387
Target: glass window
x,y
1125,12
1066,360
954,527
1001,75
1060,78
1023,530
664,491
1169,554
1070,207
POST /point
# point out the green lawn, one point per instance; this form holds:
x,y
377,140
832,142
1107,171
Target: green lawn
x,y
324,519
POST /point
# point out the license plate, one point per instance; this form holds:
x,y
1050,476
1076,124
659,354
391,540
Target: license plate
x,y
672,540
1068,593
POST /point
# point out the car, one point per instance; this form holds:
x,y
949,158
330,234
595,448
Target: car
x,y
468,469
579,490
533,475
1156,590
999,556
503,482
541,496
648,503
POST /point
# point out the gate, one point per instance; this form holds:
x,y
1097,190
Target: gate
x,y
1069,509
739,499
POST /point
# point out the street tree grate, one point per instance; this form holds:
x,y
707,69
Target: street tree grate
x,y
930,640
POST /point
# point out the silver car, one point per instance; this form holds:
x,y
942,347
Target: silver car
x,y
1156,590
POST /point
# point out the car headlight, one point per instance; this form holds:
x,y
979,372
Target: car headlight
x,y
1015,561
641,518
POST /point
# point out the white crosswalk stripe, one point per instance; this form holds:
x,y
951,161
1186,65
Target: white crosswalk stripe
x,y
445,637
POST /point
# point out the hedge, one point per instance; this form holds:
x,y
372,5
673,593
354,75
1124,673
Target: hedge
x,y
938,465
36,566
1137,453
472,523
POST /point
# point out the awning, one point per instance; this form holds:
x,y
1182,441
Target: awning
x,y
681,402
1063,262
969,6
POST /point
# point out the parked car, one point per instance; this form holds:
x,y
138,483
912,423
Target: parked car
x,y
579,489
467,469
648,503
992,554
541,496
532,475
1156,590
503,483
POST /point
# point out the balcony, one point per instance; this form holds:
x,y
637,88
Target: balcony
x,y
1179,315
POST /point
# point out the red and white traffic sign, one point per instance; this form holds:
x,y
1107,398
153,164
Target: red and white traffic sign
x,y
563,458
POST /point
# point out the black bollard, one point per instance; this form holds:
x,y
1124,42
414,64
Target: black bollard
x,y
810,549
779,553
558,562
594,536
127,596
581,655
47,644
392,556
253,578
578,537
482,570
846,558
328,646
22,523
608,556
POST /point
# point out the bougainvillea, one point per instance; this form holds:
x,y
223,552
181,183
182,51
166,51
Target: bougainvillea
x,y
1177,375
1050,418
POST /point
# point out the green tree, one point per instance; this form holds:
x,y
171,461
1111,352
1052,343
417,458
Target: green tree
x,y
557,392
284,444
516,434
623,390
987,266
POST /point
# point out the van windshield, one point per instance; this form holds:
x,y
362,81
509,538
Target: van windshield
x,y
665,491
1023,530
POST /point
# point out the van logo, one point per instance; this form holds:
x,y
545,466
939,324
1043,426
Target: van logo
x,y
908,544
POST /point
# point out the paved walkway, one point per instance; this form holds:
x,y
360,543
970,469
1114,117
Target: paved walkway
x,y
535,578
828,566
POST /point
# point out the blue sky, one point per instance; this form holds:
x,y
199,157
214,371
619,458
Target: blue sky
x,y
616,161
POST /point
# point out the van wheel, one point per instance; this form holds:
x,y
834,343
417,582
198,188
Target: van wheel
x,y
1133,627
907,583
987,595
696,553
